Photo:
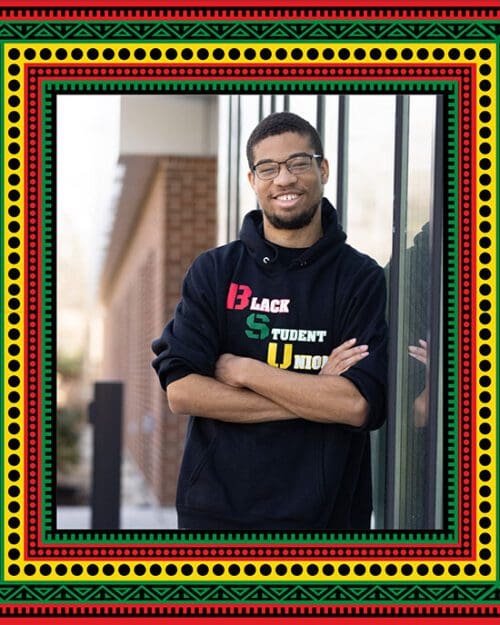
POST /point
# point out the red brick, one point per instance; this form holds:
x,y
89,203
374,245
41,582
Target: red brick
x,y
173,226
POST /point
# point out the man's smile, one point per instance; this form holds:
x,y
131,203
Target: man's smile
x,y
287,197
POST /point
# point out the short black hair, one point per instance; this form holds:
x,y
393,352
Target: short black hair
x,y
278,124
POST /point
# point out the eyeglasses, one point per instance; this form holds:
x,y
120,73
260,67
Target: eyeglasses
x,y
296,165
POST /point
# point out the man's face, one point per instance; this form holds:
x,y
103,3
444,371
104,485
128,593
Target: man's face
x,y
289,201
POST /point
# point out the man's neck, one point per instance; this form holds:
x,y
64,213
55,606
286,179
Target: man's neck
x,y
303,237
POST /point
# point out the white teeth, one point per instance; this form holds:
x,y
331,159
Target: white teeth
x,y
289,196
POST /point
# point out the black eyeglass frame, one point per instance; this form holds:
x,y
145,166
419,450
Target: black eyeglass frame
x,y
285,162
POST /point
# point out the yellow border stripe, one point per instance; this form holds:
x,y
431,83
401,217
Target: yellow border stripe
x,y
274,576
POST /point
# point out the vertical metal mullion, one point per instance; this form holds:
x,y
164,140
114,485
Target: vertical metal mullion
x,y
342,156
436,235
234,168
230,171
395,310
237,166
261,117
320,117
286,103
273,103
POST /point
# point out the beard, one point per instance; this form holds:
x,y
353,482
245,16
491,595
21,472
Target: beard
x,y
294,222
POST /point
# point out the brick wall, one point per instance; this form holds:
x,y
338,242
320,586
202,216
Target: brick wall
x,y
177,221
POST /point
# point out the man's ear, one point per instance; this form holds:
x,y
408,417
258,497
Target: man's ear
x,y
251,179
325,171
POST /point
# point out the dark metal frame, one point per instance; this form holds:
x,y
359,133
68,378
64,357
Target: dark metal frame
x,y
342,159
400,200
435,314
233,186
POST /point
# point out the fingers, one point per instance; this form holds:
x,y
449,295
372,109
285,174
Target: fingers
x,y
343,347
352,357
349,350
344,357
419,353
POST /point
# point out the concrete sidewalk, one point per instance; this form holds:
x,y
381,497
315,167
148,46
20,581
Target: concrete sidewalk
x,y
131,518
139,508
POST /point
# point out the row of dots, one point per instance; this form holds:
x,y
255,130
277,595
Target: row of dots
x,y
251,570
15,290
485,169
14,302
251,54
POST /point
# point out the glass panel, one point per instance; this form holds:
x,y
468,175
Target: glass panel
x,y
330,144
279,103
371,217
368,217
266,105
249,118
412,445
234,155
223,174
370,175
305,106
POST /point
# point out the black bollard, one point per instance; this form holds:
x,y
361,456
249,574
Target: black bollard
x,y
105,414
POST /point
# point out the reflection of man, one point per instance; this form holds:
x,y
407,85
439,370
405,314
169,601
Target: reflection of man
x,y
418,259
421,401
278,347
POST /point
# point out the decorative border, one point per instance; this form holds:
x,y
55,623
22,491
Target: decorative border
x,y
251,10
45,82
380,573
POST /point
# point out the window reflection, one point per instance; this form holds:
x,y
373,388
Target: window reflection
x,y
414,396
414,294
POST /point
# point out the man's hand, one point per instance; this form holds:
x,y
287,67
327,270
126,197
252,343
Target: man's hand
x,y
421,402
344,357
419,353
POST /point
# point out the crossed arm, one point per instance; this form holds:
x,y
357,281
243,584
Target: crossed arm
x,y
245,390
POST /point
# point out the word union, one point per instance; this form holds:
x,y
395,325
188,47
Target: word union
x,y
305,362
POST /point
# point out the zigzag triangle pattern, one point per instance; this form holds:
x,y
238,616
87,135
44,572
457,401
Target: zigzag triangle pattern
x,y
317,32
477,31
80,31
203,32
122,31
7,32
280,594
353,31
397,32
43,31
357,32
158,31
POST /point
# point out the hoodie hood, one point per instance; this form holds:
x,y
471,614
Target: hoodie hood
x,y
266,253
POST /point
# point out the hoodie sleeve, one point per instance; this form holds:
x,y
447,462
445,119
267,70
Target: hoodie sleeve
x,y
190,341
363,318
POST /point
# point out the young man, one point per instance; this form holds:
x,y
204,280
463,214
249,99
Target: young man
x,y
278,350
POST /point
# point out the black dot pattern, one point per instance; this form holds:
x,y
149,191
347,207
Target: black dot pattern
x,y
419,560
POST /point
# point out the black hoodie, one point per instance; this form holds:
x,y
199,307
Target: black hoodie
x,y
290,310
